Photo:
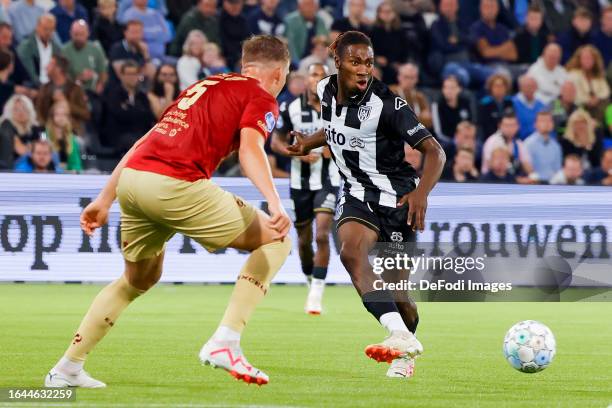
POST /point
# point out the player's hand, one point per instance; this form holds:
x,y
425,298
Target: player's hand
x,y
310,158
298,148
94,216
279,220
417,207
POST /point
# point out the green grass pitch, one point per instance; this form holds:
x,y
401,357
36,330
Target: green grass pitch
x,y
149,359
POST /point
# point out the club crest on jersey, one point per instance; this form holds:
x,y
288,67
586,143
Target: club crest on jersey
x,y
364,113
270,122
400,103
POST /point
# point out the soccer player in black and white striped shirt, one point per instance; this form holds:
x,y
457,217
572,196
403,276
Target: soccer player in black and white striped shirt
x,y
365,126
314,185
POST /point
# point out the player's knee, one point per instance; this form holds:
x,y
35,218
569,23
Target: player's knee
x,y
265,261
322,239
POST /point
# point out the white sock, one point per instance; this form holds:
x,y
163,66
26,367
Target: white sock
x,y
316,287
67,366
224,333
392,321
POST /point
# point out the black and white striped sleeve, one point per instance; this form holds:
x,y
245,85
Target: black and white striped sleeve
x,y
283,124
399,120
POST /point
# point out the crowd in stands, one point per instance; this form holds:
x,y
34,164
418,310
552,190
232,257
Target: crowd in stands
x,y
516,91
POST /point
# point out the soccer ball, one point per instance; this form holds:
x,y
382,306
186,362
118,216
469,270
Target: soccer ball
x,y
529,346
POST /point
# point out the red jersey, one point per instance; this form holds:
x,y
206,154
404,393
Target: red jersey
x,y
203,126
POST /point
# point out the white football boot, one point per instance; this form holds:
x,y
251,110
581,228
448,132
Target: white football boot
x,y
57,379
315,297
397,344
402,367
228,356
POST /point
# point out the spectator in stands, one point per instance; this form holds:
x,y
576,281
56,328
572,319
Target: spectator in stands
x,y
106,29
384,35
87,62
498,165
302,26
465,137
320,54
493,106
526,105
414,27
355,20
234,30
571,173
407,80
189,66
156,33
67,12
24,15
558,14
177,10
580,138
603,37
62,88
19,76
507,137
40,160
548,73
266,20
608,119
491,39
449,44
165,89
451,108
202,17
578,35
36,50
17,130
133,48
7,88
157,5
602,175
544,150
59,132
531,39
462,168
129,114
587,72
296,85
564,106
212,61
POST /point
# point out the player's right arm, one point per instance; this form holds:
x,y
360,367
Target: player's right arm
x,y
304,144
95,214
256,167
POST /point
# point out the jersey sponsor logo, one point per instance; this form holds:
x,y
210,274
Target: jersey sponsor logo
x,y
356,142
263,127
396,236
412,132
400,103
270,121
334,137
364,113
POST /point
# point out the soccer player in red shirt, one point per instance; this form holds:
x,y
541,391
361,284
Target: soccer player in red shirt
x,y
163,186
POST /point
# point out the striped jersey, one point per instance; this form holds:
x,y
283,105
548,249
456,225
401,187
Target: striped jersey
x,y
366,138
298,115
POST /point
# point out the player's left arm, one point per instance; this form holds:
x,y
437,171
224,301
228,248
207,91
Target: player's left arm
x,y
400,121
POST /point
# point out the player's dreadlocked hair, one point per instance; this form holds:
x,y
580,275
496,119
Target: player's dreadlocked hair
x,y
339,46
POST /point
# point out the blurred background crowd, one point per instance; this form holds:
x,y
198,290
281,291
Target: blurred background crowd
x,y
516,91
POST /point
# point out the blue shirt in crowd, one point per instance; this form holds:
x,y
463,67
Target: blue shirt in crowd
x,y
526,113
65,20
546,155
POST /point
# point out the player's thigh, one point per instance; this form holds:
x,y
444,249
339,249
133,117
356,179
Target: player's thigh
x,y
142,238
303,206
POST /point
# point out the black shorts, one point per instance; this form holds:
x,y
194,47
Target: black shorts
x,y
390,223
306,203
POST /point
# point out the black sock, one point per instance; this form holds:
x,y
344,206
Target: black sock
x,y
307,269
379,302
319,272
